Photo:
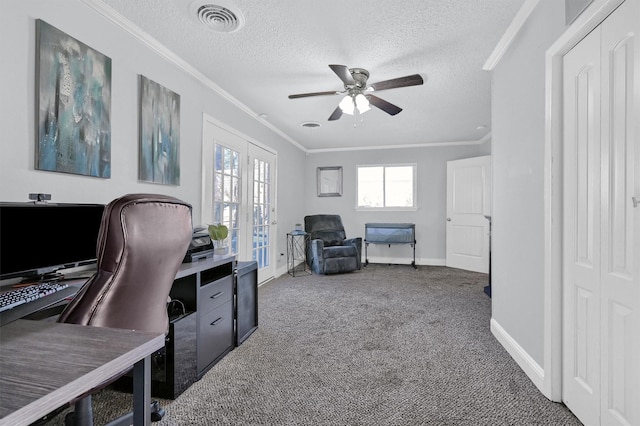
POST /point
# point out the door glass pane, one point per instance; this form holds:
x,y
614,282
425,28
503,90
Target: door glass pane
x,y
235,163
226,169
233,219
261,209
233,235
217,213
218,159
235,190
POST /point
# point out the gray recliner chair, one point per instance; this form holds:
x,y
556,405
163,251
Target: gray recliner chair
x,y
329,250
142,241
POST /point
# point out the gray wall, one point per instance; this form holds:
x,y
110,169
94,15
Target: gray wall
x,y
518,123
431,196
129,59
296,183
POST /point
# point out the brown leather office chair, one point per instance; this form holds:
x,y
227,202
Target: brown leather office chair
x,y
142,241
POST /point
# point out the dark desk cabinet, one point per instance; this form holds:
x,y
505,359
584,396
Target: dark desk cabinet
x,y
246,306
206,286
215,307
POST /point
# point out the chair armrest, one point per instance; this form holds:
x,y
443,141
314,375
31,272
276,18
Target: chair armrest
x,y
357,243
315,258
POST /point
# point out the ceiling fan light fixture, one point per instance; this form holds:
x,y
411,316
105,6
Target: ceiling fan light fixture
x,y
347,105
362,103
352,104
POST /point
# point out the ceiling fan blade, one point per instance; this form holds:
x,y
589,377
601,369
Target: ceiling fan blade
x,y
410,80
337,113
387,107
342,71
305,95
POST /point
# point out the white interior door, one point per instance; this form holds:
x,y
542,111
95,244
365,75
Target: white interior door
x,y
262,165
620,270
581,268
601,281
468,204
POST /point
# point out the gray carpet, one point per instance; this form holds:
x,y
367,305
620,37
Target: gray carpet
x,y
387,345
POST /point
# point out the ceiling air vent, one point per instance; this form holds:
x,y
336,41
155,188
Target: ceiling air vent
x,y
221,17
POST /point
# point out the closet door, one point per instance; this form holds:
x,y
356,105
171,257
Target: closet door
x,y
581,266
620,277
601,273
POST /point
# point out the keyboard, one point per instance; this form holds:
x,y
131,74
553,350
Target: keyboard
x,y
17,296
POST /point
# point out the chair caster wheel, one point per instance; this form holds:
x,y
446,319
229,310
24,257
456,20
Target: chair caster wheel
x,y
157,412
156,416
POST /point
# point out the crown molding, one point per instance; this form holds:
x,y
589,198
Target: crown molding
x,y
153,44
485,138
510,34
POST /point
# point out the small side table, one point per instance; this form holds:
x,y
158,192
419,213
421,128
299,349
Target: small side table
x,y
297,253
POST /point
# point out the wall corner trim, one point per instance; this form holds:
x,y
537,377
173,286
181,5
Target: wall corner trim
x,y
510,34
530,367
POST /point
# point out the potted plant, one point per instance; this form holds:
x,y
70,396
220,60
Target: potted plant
x,y
218,234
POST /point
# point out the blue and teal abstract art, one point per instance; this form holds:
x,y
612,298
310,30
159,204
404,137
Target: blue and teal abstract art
x,y
159,133
74,105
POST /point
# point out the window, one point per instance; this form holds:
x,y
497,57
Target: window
x,y
387,187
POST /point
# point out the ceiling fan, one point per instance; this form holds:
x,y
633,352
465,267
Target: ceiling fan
x,y
359,95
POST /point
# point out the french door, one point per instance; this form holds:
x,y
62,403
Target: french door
x,y
238,191
601,222
261,201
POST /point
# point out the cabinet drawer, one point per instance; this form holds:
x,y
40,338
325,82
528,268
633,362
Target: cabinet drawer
x,y
215,294
215,335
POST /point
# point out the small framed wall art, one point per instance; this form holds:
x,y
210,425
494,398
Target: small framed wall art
x,y
159,134
329,181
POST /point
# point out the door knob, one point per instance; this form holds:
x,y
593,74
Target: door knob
x,y
448,219
635,201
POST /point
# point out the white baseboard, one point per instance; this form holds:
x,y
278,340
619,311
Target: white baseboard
x,y
531,368
282,270
406,260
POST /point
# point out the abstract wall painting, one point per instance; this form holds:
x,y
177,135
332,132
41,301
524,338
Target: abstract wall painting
x,y
159,134
73,97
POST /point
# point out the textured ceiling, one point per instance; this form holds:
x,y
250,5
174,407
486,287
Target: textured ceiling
x,y
285,47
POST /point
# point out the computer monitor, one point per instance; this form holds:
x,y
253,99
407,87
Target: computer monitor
x,y
40,239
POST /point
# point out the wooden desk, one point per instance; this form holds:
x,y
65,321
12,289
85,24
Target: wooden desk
x,y
44,365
